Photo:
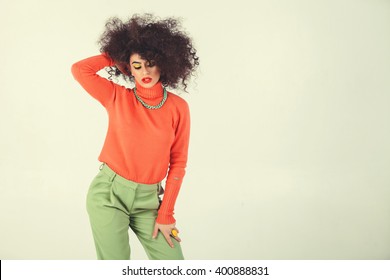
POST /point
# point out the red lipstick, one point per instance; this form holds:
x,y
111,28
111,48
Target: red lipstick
x,y
146,80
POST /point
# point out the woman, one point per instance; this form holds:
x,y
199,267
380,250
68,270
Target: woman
x,y
147,138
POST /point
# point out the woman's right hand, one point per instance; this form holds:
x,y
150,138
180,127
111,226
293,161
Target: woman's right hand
x,y
166,231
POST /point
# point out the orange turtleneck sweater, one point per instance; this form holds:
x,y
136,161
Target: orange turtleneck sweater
x,y
141,145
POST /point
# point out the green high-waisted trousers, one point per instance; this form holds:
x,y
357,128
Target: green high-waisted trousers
x,y
114,204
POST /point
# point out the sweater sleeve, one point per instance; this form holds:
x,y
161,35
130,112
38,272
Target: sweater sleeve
x,y
85,72
177,165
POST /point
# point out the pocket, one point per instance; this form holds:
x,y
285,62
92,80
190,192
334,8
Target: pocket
x,y
160,189
99,190
160,192
159,200
98,202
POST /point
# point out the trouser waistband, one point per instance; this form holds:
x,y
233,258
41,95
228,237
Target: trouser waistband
x,y
114,176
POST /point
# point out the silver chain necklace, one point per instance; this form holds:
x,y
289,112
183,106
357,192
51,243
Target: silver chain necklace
x,y
151,107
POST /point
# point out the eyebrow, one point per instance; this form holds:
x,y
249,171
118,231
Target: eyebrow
x,y
136,62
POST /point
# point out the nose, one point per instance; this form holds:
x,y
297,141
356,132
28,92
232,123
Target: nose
x,y
146,70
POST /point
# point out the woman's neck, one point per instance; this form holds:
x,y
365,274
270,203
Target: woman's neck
x,y
150,93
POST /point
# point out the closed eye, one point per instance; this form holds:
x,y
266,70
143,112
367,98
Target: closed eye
x,y
136,65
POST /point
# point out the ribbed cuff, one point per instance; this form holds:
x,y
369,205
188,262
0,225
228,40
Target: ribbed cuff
x,y
166,211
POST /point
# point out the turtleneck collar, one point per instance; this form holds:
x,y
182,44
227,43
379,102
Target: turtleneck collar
x,y
150,93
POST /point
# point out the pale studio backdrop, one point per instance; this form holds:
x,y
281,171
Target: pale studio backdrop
x,y
289,155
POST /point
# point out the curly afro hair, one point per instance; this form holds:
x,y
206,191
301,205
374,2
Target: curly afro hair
x,y
154,39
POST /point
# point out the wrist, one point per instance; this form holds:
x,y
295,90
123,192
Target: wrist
x,y
165,219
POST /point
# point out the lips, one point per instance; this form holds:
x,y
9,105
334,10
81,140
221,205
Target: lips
x,y
146,80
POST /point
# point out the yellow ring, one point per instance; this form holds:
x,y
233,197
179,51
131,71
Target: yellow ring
x,y
174,233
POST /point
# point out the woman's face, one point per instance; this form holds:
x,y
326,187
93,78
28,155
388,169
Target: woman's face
x,y
147,74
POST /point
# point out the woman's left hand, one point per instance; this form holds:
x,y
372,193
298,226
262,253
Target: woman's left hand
x,y
166,230
123,68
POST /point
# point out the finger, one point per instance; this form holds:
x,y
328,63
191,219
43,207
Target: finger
x,y
168,239
174,234
155,231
